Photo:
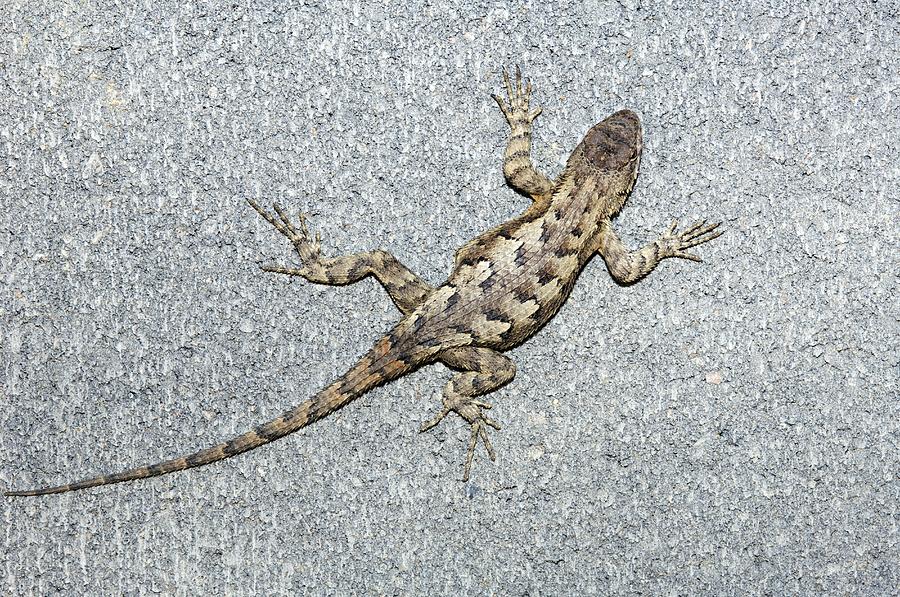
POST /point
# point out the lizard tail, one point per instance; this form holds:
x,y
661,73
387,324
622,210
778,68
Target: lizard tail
x,y
383,363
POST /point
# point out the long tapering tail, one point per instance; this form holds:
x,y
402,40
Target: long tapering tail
x,y
383,363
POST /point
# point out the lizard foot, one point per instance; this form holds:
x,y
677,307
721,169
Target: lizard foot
x,y
306,246
469,409
517,110
674,244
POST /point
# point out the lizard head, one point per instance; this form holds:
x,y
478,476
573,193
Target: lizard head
x,y
611,151
615,143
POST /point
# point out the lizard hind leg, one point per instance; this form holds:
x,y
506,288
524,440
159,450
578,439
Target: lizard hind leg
x,y
482,371
405,288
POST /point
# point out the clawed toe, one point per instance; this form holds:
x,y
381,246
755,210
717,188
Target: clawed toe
x,y
478,430
697,234
491,422
518,95
470,410
695,226
287,227
283,222
434,420
298,235
700,233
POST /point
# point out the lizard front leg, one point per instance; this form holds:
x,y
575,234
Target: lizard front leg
x,y
518,168
482,371
629,266
405,288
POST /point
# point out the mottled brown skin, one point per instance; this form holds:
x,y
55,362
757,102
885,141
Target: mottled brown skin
x,y
506,284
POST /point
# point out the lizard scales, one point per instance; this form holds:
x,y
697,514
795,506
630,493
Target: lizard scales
x,y
505,285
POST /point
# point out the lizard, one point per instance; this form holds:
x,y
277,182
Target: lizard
x,y
505,285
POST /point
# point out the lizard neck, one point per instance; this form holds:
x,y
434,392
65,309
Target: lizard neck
x,y
576,210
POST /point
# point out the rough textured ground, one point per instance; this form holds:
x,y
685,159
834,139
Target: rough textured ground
x,y
740,436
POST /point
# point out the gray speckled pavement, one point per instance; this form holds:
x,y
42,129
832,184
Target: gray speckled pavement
x,y
721,428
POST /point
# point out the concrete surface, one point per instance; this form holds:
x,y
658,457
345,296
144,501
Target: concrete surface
x,y
720,428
